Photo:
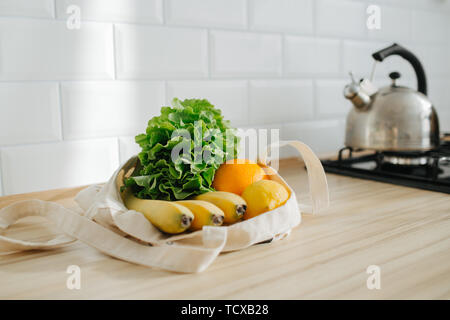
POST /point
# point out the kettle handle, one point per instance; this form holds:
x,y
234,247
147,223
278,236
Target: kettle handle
x,y
396,49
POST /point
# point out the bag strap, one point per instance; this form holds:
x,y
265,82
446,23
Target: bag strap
x,y
21,209
318,186
170,256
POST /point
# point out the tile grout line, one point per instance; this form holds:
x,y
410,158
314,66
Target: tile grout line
x,y
166,92
283,57
114,53
164,12
118,151
314,17
61,111
315,100
237,77
248,102
69,140
54,10
248,6
210,49
218,28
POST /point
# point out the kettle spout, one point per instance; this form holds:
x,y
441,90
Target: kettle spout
x,y
360,94
360,99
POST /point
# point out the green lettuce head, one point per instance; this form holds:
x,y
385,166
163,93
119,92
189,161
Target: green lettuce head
x,y
181,151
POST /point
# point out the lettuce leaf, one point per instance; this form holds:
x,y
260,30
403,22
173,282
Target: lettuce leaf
x,y
181,151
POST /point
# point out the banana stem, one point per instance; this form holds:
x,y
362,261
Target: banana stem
x,y
240,209
217,219
185,221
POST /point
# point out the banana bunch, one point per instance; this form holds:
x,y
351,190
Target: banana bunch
x,y
208,209
205,213
232,205
167,216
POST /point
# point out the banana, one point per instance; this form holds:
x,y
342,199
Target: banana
x,y
167,216
205,213
231,204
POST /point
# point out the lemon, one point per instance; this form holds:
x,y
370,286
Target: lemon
x,y
263,196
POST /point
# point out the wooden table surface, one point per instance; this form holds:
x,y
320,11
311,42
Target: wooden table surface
x,y
404,231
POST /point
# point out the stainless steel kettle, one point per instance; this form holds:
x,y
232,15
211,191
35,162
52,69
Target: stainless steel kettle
x,y
393,118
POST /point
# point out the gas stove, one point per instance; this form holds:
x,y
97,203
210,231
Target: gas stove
x,y
429,170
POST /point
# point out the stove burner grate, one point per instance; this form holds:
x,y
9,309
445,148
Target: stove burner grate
x,y
428,170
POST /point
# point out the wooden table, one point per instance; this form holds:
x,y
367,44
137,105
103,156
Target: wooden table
x,y
403,231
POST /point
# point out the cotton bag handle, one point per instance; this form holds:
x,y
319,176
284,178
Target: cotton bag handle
x,y
173,257
318,186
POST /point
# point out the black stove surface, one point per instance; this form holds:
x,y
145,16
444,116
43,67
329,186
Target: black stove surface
x,y
432,175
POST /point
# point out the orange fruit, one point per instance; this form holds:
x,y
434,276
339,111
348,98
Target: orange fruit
x,y
236,175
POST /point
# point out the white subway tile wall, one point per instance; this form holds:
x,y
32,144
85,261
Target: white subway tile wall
x,y
430,27
29,113
148,52
27,8
48,50
104,109
324,135
230,96
343,18
282,15
311,56
293,100
439,89
133,11
53,165
72,100
243,54
328,95
212,13
396,24
127,148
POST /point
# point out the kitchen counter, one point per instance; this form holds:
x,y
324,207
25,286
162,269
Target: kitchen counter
x,y
404,231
